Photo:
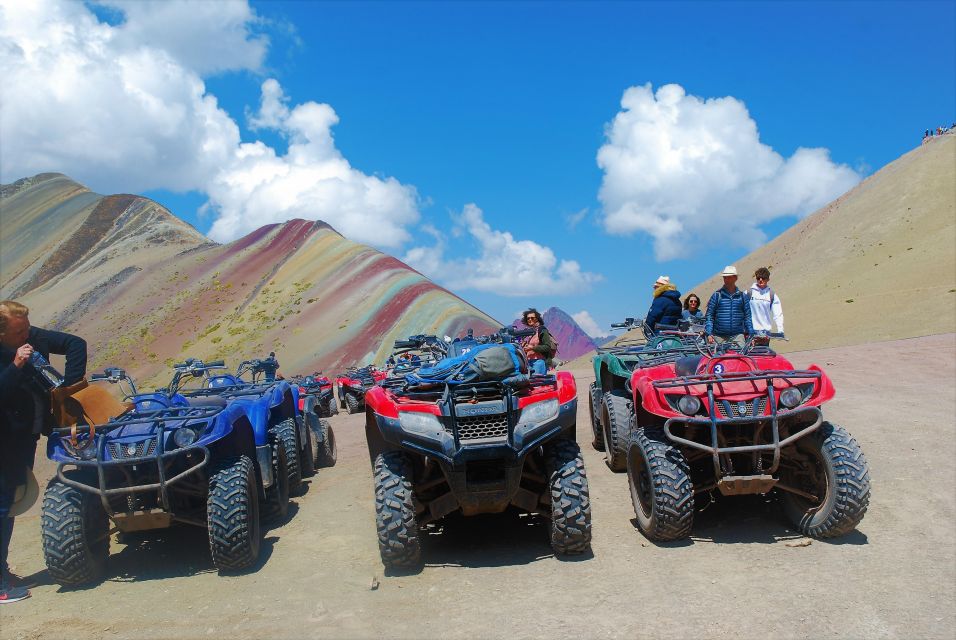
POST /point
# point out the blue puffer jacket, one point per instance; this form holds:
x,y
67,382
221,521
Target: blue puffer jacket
x,y
728,314
666,308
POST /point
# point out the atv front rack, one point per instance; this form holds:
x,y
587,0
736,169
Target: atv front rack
x,y
160,457
713,421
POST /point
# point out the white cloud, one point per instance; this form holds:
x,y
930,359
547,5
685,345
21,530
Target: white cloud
x,y
124,109
504,266
574,219
587,324
312,181
693,172
80,99
206,37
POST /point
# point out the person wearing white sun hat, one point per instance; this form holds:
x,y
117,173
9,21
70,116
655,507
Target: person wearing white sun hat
x,y
728,311
666,307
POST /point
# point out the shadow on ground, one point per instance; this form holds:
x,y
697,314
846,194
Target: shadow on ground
x,y
746,520
493,540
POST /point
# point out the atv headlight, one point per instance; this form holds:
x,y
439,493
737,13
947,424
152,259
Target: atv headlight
x,y
791,397
419,422
85,449
539,412
184,436
689,405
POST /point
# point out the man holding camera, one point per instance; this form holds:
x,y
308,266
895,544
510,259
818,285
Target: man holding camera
x,y
25,413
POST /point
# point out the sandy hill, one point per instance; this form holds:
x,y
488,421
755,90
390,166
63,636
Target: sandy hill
x,y
878,263
146,289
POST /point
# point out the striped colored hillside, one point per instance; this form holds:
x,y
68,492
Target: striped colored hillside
x,y
146,289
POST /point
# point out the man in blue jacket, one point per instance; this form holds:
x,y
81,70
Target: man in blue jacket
x,y
728,311
25,413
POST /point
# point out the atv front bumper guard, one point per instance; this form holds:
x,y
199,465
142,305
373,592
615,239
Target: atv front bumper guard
x,y
715,422
160,457
446,445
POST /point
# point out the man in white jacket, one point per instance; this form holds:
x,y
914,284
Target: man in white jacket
x,y
765,306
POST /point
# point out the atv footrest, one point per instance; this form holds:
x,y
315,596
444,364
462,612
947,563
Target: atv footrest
x,y
745,485
143,520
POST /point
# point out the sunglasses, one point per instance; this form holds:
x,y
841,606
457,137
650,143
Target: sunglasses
x,y
761,278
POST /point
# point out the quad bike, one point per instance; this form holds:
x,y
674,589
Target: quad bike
x,y
275,403
417,351
608,397
317,401
322,390
475,434
739,420
147,463
354,383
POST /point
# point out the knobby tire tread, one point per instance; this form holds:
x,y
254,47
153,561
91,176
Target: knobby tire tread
x,y
570,498
617,420
672,490
74,530
232,514
398,536
594,409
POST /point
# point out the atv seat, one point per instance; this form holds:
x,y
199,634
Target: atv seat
x,y
207,401
687,366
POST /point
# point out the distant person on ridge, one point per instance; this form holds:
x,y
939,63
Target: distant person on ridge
x,y
765,306
666,307
25,413
728,311
541,347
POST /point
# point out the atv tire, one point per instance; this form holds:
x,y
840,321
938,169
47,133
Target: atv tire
x,y
285,433
75,533
398,537
570,498
352,403
308,453
661,488
232,513
594,409
841,475
277,496
327,450
617,420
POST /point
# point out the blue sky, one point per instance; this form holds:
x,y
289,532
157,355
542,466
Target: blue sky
x,y
472,130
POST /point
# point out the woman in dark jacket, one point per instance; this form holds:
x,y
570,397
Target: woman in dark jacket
x,y
666,308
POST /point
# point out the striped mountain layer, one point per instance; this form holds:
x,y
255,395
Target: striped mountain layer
x,y
146,289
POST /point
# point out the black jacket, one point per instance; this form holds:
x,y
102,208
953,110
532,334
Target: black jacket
x,y
19,399
666,308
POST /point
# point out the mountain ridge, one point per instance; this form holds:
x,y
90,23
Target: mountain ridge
x,y
146,289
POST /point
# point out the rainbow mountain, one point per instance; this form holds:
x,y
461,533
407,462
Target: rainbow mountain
x,y
145,289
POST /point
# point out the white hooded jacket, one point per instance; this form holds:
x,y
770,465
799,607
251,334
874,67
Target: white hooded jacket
x,y
765,308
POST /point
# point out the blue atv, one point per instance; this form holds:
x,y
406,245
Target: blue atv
x,y
274,405
154,460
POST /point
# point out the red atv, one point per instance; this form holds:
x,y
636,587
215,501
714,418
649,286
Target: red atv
x,y
741,421
319,387
354,383
475,442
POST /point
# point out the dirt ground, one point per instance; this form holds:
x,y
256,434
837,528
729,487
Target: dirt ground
x,y
496,577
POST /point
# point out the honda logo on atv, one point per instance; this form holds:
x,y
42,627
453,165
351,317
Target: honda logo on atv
x,y
482,409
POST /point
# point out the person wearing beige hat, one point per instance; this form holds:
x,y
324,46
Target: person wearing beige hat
x,y
728,311
666,308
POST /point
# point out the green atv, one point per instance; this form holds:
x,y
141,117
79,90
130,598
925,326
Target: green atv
x,y
610,398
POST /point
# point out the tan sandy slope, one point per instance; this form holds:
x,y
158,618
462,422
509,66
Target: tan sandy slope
x,y
878,263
